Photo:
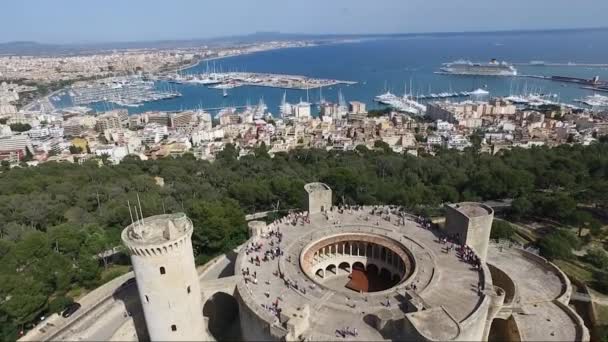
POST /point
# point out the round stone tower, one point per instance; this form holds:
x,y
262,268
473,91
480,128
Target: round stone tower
x,y
319,197
168,284
472,223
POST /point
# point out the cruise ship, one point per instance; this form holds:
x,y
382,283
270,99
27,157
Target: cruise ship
x,y
494,68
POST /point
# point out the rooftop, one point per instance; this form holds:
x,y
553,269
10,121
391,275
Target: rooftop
x,y
157,229
541,290
472,209
311,187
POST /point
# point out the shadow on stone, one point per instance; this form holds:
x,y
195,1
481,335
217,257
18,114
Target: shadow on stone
x,y
130,297
229,269
222,311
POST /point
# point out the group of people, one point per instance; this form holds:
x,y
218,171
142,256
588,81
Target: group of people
x,y
448,243
274,308
464,252
301,218
291,284
347,332
248,276
413,286
340,208
293,218
272,253
424,222
468,255
253,247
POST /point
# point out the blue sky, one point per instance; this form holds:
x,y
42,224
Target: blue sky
x,y
77,21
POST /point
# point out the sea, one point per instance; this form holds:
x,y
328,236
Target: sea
x,y
400,64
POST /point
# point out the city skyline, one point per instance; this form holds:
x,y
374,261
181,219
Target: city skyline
x,y
72,21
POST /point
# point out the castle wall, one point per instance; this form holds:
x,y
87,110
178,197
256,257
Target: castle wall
x,y
478,236
502,280
456,224
254,327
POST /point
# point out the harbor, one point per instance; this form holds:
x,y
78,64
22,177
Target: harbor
x,y
130,91
594,101
372,76
229,80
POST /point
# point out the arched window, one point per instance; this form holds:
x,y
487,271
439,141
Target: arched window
x,y
188,289
173,327
162,270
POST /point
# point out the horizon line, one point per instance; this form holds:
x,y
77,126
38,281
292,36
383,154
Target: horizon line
x,y
232,36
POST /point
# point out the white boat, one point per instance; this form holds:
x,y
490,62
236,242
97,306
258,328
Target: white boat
x,y
224,92
479,92
386,97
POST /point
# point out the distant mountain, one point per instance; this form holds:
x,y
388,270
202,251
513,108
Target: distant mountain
x,y
26,48
34,48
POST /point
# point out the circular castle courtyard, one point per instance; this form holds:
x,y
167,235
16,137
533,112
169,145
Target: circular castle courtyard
x,y
360,273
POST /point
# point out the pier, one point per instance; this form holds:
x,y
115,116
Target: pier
x,y
569,64
231,80
589,84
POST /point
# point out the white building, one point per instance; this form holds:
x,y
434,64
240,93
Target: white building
x,y
301,110
443,125
115,153
458,142
153,133
5,131
203,136
39,132
434,140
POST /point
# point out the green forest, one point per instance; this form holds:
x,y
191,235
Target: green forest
x,y
55,218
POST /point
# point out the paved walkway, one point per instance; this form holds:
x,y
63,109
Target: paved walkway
x,y
539,286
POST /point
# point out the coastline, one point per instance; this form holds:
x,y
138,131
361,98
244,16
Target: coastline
x,y
201,60
190,65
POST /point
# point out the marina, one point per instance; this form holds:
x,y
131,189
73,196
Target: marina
x,y
230,80
595,101
390,66
121,91
408,103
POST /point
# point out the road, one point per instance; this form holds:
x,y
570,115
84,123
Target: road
x,y
55,325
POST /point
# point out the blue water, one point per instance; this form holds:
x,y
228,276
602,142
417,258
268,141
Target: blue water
x,y
392,63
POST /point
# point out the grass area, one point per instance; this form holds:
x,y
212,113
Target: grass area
x,y
602,314
599,295
574,270
517,237
76,292
113,271
527,234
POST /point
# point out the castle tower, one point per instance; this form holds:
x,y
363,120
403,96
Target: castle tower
x,y
472,223
319,197
168,284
